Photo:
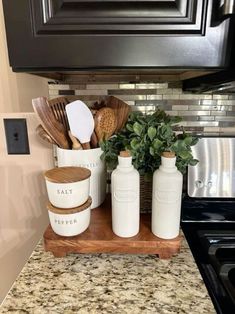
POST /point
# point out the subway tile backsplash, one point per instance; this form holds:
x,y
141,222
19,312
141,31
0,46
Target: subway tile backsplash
x,y
201,113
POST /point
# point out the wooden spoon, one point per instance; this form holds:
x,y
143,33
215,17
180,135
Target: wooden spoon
x,y
105,123
53,127
121,109
44,135
94,140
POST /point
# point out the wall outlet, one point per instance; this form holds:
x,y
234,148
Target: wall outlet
x,y
16,136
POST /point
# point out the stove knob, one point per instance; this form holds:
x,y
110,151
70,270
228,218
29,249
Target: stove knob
x,y
199,184
209,184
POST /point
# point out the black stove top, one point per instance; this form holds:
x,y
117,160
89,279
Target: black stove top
x,y
209,227
208,210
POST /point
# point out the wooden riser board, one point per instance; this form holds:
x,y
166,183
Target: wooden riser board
x,y
99,238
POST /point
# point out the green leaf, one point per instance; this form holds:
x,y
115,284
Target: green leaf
x,y
152,132
129,127
175,119
135,143
185,154
157,144
194,141
179,146
193,162
138,128
188,140
151,151
165,131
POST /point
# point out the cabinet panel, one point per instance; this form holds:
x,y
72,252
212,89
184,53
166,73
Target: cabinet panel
x,y
70,35
119,17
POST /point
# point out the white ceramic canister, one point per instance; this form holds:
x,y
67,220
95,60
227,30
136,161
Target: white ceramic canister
x,y
88,158
166,198
70,222
125,188
68,187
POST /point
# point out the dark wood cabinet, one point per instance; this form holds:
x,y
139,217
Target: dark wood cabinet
x,y
60,35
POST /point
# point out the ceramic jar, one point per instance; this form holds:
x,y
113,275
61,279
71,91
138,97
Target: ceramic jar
x,y
90,159
125,186
68,187
70,222
166,198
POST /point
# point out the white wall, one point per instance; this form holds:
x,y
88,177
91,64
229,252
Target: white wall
x,y
23,214
23,197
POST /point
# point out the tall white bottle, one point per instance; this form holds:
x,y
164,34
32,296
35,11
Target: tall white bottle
x,y
166,198
125,188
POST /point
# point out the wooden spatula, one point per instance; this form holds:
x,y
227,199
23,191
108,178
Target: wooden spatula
x,y
53,127
81,122
121,109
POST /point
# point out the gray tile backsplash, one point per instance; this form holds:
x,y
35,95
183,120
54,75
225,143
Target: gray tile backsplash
x,y
201,113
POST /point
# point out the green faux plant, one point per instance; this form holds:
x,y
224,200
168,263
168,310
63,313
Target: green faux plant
x,y
147,137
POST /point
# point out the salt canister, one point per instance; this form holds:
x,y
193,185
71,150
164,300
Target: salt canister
x,y
125,186
68,187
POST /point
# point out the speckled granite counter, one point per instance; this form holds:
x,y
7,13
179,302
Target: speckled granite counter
x,y
103,283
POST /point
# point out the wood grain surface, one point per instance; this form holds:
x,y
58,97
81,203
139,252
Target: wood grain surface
x,y
57,106
67,211
99,238
42,133
52,126
67,174
121,109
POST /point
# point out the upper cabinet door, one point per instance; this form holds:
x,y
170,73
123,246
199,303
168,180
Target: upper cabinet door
x,y
103,34
118,17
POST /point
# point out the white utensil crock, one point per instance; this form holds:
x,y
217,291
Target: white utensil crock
x,y
88,158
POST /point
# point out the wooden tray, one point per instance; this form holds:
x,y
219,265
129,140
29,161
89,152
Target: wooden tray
x,y
99,238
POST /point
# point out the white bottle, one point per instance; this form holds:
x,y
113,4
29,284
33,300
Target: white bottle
x,y
125,187
166,198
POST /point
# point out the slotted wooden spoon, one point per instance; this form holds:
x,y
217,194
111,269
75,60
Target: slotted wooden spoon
x,y
57,106
105,123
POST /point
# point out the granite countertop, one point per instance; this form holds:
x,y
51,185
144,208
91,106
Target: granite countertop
x,y
108,283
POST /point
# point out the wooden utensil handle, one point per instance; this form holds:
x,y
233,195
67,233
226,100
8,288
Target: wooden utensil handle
x,y
76,145
86,145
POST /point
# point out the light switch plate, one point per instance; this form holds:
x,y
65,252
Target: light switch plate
x,y
16,136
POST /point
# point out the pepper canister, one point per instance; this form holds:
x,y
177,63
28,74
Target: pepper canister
x,y
70,222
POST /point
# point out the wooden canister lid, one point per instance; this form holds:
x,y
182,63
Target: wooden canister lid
x,y
168,154
67,174
125,153
66,211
